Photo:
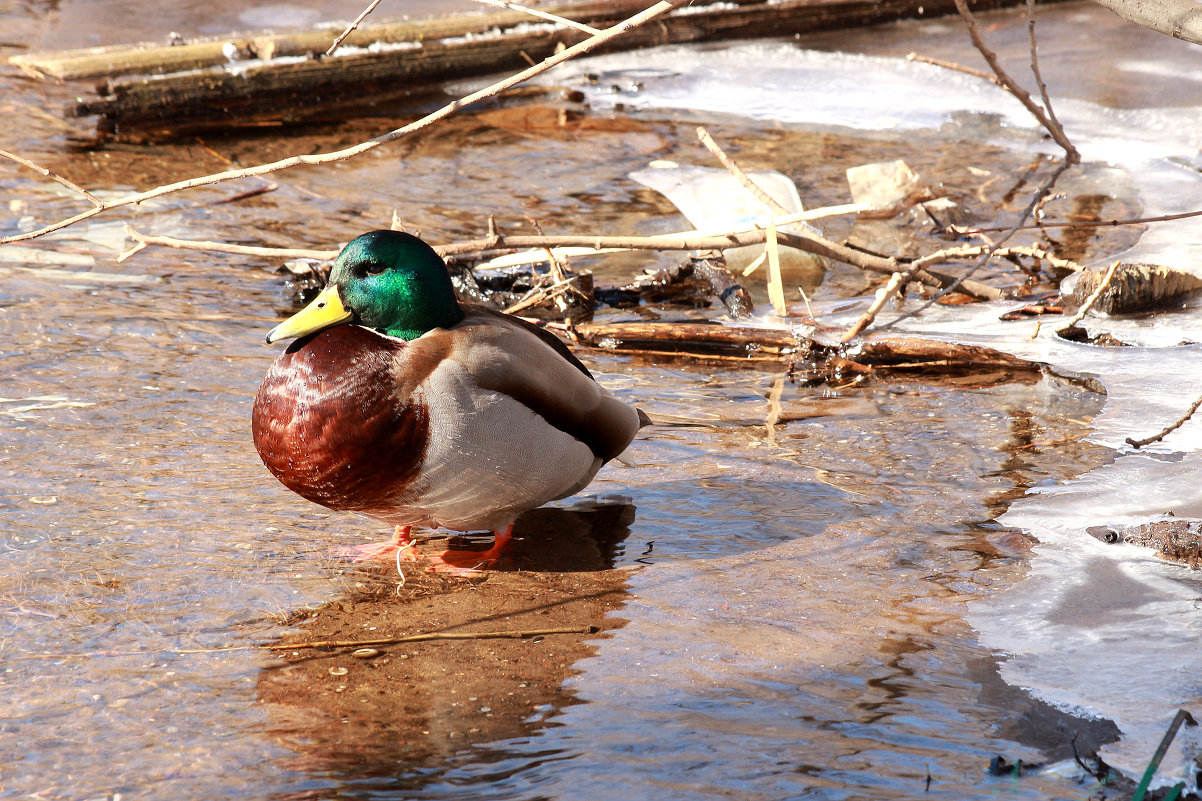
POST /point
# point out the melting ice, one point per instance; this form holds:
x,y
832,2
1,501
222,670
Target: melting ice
x,y
1096,629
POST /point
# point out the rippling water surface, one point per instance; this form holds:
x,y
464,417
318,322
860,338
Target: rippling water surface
x,y
792,623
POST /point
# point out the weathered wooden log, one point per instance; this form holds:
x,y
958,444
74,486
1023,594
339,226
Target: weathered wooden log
x,y
693,339
751,344
282,76
889,350
151,58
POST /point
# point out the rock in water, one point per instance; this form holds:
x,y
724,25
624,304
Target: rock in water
x,y
1176,540
1134,288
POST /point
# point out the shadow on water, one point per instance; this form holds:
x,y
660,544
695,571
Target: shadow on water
x,y
415,705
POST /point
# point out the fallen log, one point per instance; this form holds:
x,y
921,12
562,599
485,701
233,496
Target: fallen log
x,y
277,77
818,354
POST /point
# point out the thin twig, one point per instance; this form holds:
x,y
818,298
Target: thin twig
x,y
498,242
1139,443
540,294
1043,87
1046,119
882,296
355,24
74,187
584,46
530,256
435,635
1034,251
1091,300
896,283
1185,215
737,171
534,12
144,240
951,65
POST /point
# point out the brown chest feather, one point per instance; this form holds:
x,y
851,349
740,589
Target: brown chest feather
x,y
332,424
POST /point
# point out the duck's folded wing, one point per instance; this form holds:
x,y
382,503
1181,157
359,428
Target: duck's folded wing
x,y
505,356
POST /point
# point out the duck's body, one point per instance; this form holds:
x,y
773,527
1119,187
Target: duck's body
x,y
462,426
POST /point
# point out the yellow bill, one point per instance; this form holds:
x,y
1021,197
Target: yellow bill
x,y
324,311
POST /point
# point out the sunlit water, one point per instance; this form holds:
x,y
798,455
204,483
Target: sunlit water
x,y
813,607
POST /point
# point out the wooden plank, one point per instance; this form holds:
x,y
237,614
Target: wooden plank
x,y
152,58
750,343
417,55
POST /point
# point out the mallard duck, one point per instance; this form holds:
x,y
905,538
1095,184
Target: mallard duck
x,y
399,402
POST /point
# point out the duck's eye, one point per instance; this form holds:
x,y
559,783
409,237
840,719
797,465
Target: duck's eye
x,y
374,268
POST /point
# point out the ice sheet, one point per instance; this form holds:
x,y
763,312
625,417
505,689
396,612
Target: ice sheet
x,y
1110,630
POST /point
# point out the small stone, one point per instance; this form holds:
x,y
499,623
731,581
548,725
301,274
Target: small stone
x,y
884,185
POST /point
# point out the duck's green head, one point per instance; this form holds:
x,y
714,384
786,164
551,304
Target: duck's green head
x,y
386,280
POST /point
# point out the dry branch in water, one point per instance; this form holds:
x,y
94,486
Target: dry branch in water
x,y
1091,300
498,242
1178,423
1043,114
435,635
363,147
534,12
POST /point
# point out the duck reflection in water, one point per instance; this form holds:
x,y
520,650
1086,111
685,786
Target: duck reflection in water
x,y
413,705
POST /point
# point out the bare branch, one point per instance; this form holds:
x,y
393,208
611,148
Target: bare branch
x,y
74,187
737,171
1084,223
1178,423
1043,88
951,65
1048,121
1046,118
145,240
534,12
896,282
1092,299
497,242
355,150
355,24
973,251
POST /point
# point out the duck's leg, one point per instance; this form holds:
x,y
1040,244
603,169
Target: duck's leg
x,y
468,563
401,541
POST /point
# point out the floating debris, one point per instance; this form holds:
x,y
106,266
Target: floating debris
x,y
714,200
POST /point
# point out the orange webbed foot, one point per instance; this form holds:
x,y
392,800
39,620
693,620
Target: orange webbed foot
x,y
470,563
401,543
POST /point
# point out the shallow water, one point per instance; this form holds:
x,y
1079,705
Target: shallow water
x,y
797,598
